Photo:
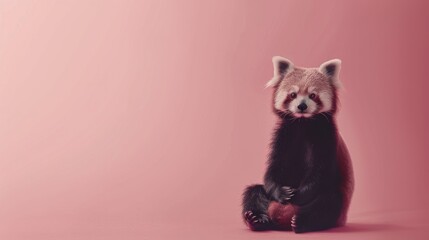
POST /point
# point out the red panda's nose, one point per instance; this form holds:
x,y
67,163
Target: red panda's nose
x,y
302,106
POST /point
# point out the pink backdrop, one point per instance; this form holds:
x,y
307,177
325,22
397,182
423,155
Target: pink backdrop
x,y
146,119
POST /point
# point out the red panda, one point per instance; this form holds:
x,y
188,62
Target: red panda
x,y
308,183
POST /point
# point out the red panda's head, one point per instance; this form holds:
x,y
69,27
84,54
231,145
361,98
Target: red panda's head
x,y
304,92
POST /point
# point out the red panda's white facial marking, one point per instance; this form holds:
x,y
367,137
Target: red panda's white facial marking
x,y
304,92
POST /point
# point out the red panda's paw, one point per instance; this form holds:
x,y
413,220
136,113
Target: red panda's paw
x,y
257,222
297,225
286,194
305,223
293,221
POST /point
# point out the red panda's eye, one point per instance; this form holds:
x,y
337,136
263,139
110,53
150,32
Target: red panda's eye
x,y
293,95
312,96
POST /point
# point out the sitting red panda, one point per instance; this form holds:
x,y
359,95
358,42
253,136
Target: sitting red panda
x,y
309,181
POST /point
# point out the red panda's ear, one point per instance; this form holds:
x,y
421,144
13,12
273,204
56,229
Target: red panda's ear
x,y
282,66
332,69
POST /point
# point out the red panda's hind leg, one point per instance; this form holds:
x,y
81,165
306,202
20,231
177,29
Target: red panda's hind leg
x,y
323,213
255,207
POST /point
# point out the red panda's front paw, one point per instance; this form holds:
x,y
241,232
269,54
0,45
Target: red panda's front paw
x,y
257,222
286,194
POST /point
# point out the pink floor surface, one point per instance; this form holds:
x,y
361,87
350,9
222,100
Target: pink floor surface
x,y
376,225
379,225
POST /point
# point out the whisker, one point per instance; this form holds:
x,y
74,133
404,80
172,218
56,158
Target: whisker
x,y
323,114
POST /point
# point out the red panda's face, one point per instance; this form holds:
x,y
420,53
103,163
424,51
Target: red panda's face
x,y
304,92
